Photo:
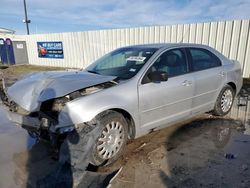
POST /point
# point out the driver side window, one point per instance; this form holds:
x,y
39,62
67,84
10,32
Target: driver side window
x,y
173,62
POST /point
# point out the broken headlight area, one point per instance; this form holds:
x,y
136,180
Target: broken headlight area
x,y
50,109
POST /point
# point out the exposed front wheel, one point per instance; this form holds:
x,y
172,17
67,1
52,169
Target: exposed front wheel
x,y
224,101
112,139
99,142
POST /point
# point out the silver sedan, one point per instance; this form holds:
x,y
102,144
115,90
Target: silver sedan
x,y
126,94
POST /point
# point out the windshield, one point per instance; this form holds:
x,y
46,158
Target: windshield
x,y
123,63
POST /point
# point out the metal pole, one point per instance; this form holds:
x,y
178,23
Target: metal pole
x,y
26,21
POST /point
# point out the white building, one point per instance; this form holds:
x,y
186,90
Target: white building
x,y
6,33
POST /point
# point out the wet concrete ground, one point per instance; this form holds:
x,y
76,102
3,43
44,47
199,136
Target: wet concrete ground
x,y
189,155
13,140
202,152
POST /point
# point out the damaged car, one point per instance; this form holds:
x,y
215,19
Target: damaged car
x,y
127,93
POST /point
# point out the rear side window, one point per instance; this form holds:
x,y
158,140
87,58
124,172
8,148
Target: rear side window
x,y
203,59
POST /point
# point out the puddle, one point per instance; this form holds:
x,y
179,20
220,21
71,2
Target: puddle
x,y
26,162
192,155
12,140
242,112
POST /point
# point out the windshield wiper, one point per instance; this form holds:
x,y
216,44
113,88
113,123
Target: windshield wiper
x,y
92,71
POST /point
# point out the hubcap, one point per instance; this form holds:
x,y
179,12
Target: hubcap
x,y
111,140
226,100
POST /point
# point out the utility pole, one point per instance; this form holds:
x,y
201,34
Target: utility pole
x,y
26,20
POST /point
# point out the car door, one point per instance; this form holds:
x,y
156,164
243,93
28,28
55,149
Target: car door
x,y
165,102
208,78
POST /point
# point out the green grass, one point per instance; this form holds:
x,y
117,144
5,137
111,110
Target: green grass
x,y
25,69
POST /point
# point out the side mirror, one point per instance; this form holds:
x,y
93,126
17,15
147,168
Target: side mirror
x,y
158,76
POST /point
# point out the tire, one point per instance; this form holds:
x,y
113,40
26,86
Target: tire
x,y
80,146
224,101
115,142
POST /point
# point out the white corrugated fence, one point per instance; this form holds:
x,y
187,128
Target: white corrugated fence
x,y
82,48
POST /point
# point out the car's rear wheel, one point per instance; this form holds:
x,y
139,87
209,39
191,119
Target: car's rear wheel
x,y
224,101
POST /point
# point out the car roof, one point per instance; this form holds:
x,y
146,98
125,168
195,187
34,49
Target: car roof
x,y
167,45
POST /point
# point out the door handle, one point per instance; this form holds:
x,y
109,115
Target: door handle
x,y
222,74
186,83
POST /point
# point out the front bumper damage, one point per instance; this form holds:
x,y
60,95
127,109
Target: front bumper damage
x,y
25,121
29,121
22,120
19,119
35,123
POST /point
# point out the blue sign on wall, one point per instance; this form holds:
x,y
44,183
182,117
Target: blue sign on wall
x,y
50,49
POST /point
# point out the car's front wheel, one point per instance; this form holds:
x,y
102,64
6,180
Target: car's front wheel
x,y
112,139
224,101
100,142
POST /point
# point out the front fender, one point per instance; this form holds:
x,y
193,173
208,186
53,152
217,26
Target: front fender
x,y
84,109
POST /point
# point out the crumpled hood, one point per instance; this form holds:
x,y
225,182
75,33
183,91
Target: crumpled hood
x,y
35,88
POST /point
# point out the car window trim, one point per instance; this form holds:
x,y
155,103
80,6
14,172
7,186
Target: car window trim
x,y
190,59
175,48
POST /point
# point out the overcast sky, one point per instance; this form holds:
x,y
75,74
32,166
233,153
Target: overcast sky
x,y
49,16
